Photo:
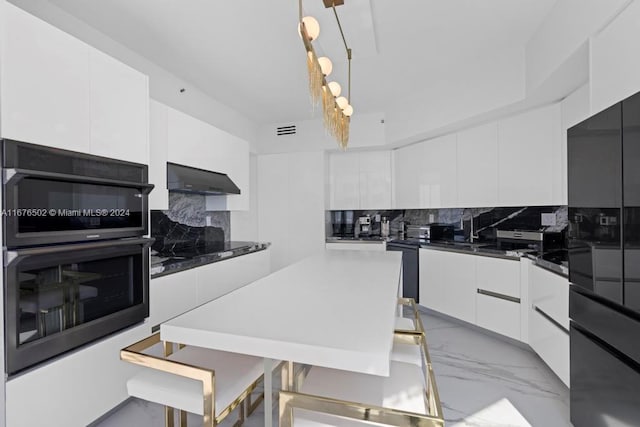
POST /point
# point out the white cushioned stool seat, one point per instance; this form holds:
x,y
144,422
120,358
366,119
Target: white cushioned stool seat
x,y
405,324
234,373
402,390
407,353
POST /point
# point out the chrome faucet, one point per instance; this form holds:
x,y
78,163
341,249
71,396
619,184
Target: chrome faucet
x,y
472,233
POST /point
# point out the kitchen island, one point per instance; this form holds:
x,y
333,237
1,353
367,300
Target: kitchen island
x,y
311,312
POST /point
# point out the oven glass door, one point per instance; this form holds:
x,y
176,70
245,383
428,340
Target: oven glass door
x,y
43,210
61,297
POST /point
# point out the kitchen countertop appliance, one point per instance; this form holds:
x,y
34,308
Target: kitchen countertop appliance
x,y
363,226
536,240
430,232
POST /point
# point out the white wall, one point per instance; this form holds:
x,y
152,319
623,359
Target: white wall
x,y
464,91
366,130
615,59
563,31
244,224
163,86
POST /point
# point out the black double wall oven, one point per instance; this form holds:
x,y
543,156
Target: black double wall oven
x,y
604,266
76,262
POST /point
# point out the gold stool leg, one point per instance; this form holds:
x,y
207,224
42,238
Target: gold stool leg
x,y
183,418
168,416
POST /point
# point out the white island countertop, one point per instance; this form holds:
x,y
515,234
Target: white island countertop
x,y
335,310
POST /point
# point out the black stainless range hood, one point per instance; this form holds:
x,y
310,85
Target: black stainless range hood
x,y
200,181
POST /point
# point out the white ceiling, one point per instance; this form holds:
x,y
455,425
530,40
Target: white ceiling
x,y
247,55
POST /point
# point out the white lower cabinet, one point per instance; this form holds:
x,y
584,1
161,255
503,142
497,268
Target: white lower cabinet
x,y
171,295
498,295
75,389
378,246
549,319
447,283
177,293
498,315
219,278
480,290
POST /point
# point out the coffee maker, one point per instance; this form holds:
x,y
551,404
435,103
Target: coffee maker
x,y
363,226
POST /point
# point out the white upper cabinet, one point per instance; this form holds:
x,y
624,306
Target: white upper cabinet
x,y
187,138
406,168
477,168
375,179
119,109
159,197
426,174
344,181
45,83
58,91
438,172
195,143
360,180
529,158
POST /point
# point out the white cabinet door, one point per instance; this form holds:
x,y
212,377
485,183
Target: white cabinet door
x,y
219,278
477,166
159,196
498,284
45,84
187,138
498,315
375,179
498,275
529,158
551,343
171,295
437,175
304,219
93,375
549,292
291,205
407,164
549,319
344,181
447,283
273,205
119,109
378,246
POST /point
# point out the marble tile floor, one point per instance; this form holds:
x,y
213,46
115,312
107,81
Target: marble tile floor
x,y
483,382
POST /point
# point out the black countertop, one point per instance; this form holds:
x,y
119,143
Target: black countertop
x,y
482,249
173,262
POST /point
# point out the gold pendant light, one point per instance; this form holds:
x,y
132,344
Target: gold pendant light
x,y
336,109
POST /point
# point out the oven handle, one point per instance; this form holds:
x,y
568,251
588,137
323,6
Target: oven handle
x,y
14,175
10,256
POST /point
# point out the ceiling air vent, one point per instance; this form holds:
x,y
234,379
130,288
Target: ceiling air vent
x,y
286,130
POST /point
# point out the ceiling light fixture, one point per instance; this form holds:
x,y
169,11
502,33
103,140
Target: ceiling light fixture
x,y
336,109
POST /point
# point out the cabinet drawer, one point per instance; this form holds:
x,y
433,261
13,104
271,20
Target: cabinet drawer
x,y
550,292
551,343
498,315
498,275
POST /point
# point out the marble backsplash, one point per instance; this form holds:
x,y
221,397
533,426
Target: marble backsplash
x,y
187,225
483,220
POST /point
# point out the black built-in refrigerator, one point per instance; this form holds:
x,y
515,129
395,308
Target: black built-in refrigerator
x,y
604,266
